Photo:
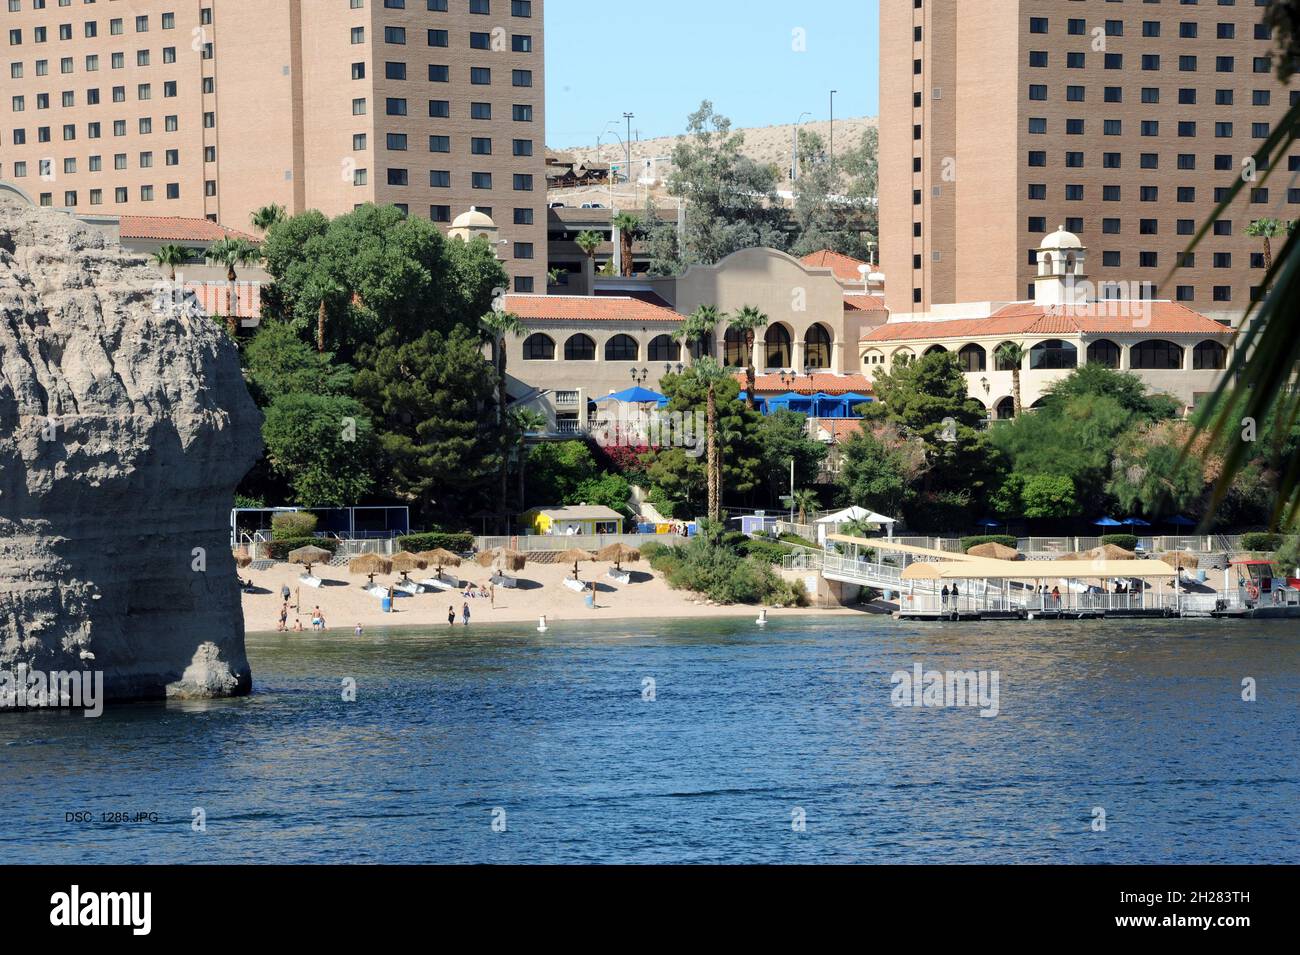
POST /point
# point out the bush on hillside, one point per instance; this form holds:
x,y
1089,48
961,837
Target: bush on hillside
x,y
279,549
293,525
1127,541
458,543
708,565
1257,540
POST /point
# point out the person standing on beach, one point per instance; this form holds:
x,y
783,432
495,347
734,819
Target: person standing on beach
x,y
284,593
451,616
359,631
492,593
284,616
464,612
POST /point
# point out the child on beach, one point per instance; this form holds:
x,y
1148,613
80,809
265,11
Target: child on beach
x,y
297,625
451,616
284,618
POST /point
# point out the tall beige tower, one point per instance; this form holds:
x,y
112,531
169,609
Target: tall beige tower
x,y
1122,121
214,108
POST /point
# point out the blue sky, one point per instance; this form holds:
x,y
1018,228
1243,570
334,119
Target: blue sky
x,y
659,59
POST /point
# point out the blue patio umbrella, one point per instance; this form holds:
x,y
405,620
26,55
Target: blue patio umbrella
x,y
1107,522
636,396
1180,521
989,522
1135,522
761,405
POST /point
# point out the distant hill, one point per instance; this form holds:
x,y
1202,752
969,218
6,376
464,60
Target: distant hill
x,y
764,144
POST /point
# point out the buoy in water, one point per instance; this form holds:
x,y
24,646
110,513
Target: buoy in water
x,y
541,624
762,618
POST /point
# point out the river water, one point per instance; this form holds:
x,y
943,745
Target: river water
x,y
1122,741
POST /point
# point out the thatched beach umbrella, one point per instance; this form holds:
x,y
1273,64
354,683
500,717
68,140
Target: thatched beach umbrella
x,y
404,562
1181,560
242,559
575,554
439,558
1109,552
618,553
503,558
311,554
370,564
995,550
921,570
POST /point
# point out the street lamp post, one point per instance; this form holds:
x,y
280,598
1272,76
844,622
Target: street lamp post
x,y
833,92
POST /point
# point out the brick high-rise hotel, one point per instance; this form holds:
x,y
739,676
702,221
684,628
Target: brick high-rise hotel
x,y
214,108
1123,120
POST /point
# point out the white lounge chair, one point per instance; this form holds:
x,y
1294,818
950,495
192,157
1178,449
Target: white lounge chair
x,y
501,580
309,581
620,576
441,583
575,585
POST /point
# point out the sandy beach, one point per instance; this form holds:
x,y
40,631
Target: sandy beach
x,y
344,603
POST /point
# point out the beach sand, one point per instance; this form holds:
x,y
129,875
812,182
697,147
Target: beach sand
x,y
344,603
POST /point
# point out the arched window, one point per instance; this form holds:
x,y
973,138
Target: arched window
x,y
734,349
972,358
998,363
1208,355
817,347
539,347
935,350
872,357
779,352
902,356
1006,408
1053,353
664,348
702,346
622,348
1103,352
1155,353
580,348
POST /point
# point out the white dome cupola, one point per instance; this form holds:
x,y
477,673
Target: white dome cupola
x,y
1061,258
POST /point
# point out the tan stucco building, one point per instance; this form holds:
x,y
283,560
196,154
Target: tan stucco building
x,y
579,348
214,109
1123,121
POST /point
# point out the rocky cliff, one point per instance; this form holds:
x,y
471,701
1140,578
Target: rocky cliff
x,y
124,429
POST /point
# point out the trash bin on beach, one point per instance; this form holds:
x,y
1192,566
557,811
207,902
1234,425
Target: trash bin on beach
x,y
386,604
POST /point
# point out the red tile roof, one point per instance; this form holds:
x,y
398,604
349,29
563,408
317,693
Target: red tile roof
x,y
838,428
177,229
587,308
825,381
864,303
845,267
644,295
1025,318
214,298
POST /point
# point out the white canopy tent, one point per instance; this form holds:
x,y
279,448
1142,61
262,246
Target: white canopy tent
x,y
832,522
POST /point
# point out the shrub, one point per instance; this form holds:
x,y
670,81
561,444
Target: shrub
x,y
457,543
1006,540
708,565
1127,541
767,550
279,549
1260,541
1287,557
294,525
799,541
651,549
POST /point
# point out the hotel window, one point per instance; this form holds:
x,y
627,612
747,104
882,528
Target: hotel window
x,y
392,71
480,75
523,182
395,35
1038,24
1037,157
1223,260
438,6
521,43
480,110
1155,354
521,8
1074,192
539,347
523,250
480,41
1221,97
1223,130
1076,27
359,107
1186,193
439,144
579,347
1074,61
1225,64
397,142
1110,226
440,108
439,74
1148,260
1151,28
1259,130
358,35
1150,95
522,147
1148,227
524,283
440,178
1151,61
173,190
1074,127
1074,160
120,194
1037,190
521,113
480,146
440,213
521,77
395,106
1113,94
1150,127
360,177
1037,91
1038,58
1261,97
1037,125
480,180
146,193
172,157
1112,127
398,177
438,38
1114,61
523,216
1222,293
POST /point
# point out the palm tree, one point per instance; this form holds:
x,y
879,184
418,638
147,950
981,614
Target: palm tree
x,y
628,226
1012,355
805,500
230,253
1266,229
699,325
325,290
710,373
496,325
1259,381
749,320
554,276
589,241
266,217
524,421
170,256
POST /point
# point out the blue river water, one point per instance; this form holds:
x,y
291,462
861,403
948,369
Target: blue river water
x,y
689,742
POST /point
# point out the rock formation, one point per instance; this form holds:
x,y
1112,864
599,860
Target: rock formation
x,y
125,426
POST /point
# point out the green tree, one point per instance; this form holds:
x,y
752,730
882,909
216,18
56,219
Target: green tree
x,y
697,328
1266,229
430,400
589,242
232,253
170,256
832,210
805,500
556,469
783,436
880,469
278,363
1153,476
322,445
748,321
1048,495
496,326
731,200
660,242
